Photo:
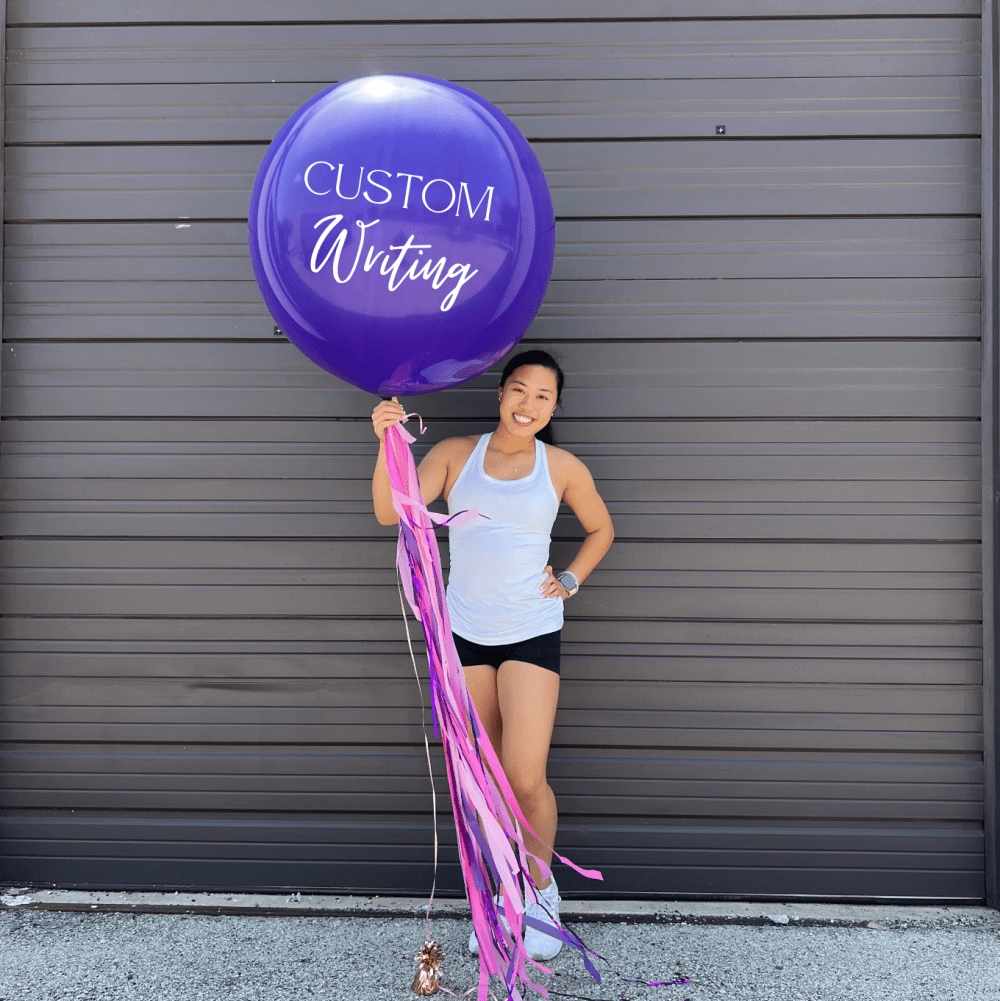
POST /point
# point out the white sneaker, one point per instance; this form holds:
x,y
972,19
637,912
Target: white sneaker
x,y
474,942
546,909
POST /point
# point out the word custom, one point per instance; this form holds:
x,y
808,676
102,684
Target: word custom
x,y
436,195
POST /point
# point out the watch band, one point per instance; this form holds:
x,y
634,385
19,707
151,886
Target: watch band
x,y
570,582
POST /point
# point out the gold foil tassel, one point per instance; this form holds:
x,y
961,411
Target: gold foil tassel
x,y
427,979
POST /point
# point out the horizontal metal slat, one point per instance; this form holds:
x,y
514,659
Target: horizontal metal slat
x,y
849,471
242,834
231,522
604,856
921,586
195,700
660,595
716,495
624,663
732,639
584,437
871,559
377,793
656,309
395,768
553,109
586,250
243,11
691,380
692,178
533,50
763,805
939,735
409,879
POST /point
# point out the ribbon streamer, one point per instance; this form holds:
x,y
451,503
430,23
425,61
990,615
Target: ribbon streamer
x,y
489,823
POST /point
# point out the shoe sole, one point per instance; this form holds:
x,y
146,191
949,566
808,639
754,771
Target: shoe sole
x,y
538,958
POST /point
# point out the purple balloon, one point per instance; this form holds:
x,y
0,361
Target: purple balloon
x,y
401,233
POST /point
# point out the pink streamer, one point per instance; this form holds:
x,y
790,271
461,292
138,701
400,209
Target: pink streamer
x,y
488,820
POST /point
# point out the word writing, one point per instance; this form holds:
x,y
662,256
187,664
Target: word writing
x,y
392,267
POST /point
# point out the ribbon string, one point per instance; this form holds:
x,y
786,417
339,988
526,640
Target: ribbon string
x,y
427,752
488,819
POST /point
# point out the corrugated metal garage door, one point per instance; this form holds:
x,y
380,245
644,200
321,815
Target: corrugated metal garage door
x,y
772,342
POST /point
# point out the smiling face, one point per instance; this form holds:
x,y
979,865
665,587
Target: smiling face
x,y
527,400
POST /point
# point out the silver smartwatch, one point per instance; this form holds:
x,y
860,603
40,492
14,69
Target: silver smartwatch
x,y
569,581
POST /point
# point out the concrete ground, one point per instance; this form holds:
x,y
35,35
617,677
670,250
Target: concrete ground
x,y
911,954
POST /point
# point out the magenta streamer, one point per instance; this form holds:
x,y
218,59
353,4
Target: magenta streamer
x,y
488,820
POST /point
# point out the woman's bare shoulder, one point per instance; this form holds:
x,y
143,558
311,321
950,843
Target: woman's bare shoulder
x,y
460,447
459,443
562,459
565,467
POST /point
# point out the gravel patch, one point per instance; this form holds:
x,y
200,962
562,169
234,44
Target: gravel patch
x,y
59,955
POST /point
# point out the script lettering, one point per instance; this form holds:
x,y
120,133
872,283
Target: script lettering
x,y
328,251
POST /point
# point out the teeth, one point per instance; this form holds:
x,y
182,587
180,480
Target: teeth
x,y
522,420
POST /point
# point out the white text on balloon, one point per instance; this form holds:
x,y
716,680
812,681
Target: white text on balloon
x,y
432,200
430,270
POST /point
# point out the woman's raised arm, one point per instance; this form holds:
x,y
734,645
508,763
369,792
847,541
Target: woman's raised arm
x,y
432,472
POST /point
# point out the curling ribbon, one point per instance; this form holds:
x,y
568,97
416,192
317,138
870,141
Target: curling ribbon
x,y
488,820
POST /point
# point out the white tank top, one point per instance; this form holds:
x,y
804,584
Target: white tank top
x,y
494,585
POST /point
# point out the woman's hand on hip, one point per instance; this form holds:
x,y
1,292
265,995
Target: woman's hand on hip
x,y
551,588
387,413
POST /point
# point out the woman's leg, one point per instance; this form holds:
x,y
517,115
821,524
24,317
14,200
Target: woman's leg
x,y
527,697
482,684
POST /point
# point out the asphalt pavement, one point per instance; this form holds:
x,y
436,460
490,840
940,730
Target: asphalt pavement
x,y
176,957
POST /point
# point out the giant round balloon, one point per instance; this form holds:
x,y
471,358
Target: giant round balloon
x,y
401,233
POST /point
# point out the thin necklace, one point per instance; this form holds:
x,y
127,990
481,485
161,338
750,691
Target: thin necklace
x,y
526,452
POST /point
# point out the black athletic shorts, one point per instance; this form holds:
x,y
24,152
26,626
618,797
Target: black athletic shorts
x,y
541,650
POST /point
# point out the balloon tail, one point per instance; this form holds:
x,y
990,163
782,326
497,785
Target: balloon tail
x,y
488,820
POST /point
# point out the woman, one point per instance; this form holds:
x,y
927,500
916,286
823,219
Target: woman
x,y
505,603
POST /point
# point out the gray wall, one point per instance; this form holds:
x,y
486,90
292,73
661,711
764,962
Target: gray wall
x,y
772,686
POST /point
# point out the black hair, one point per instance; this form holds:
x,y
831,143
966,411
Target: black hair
x,y
536,357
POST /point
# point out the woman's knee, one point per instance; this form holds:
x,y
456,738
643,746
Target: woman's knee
x,y
528,785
